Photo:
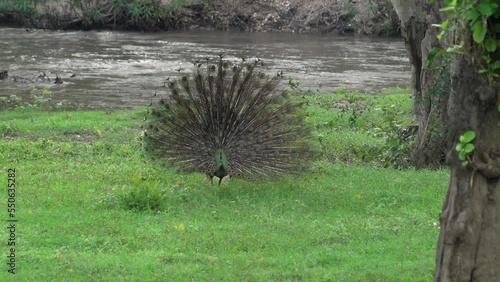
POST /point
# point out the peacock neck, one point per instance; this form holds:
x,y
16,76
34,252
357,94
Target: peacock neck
x,y
220,163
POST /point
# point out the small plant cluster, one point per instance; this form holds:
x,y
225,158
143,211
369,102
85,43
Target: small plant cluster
x,y
383,17
142,194
38,99
398,140
465,147
20,8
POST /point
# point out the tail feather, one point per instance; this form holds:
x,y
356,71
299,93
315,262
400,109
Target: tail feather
x,y
233,112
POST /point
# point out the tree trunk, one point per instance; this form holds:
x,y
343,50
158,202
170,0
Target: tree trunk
x,y
430,82
469,241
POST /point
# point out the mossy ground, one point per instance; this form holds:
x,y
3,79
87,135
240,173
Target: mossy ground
x,y
343,221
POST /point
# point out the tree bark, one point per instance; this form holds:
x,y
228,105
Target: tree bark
x,y
469,241
430,82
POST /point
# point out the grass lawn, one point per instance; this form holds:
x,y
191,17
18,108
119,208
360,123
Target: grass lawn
x,y
348,219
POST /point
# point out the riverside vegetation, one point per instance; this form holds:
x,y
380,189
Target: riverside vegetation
x,y
91,206
375,17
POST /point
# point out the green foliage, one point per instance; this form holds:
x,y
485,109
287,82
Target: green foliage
x,y
91,16
383,17
148,15
349,22
38,99
15,100
492,68
465,147
42,100
20,8
296,89
481,18
357,128
294,84
174,6
398,142
142,194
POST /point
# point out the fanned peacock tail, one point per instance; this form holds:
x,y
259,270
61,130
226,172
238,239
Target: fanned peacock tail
x,y
229,119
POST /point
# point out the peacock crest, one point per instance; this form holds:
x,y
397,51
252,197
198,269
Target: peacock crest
x,y
229,119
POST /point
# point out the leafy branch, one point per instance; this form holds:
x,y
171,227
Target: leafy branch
x,y
482,18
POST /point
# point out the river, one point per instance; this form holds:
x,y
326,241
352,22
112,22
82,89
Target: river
x,y
125,69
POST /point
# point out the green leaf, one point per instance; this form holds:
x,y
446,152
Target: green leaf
x,y
495,65
444,25
459,147
479,32
498,108
450,10
472,15
441,53
486,9
467,137
490,44
137,178
431,55
461,156
469,148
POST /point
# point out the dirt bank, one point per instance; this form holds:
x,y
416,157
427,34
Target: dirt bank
x,y
373,17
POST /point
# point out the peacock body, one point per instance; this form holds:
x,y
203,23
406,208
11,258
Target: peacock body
x,y
229,119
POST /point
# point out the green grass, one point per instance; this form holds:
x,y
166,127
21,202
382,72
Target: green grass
x,y
339,222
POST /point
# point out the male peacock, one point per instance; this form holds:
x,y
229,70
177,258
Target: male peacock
x,y
229,119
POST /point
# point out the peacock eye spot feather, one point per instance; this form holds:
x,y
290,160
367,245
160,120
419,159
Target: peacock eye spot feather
x,y
193,123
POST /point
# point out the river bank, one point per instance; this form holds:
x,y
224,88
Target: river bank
x,y
373,17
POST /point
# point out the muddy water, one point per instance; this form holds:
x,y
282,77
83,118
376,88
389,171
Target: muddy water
x,y
124,69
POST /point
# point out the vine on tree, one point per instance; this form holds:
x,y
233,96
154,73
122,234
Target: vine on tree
x,y
482,18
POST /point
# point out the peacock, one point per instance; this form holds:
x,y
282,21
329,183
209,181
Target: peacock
x,y
229,119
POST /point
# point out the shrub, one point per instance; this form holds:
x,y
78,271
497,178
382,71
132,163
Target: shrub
x,y
142,194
